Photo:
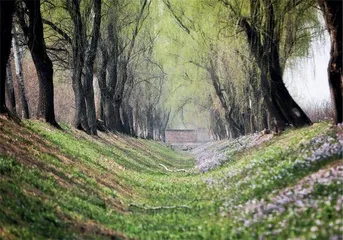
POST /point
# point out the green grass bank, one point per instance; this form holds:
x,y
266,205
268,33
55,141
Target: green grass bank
x,y
67,185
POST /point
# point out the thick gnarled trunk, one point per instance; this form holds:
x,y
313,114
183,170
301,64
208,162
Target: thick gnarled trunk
x,y
332,11
35,35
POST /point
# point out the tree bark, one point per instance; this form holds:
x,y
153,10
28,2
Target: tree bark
x,y
10,88
332,11
6,11
19,73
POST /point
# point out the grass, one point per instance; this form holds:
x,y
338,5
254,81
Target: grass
x,y
67,185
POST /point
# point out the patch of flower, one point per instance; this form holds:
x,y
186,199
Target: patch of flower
x,y
320,148
298,198
214,154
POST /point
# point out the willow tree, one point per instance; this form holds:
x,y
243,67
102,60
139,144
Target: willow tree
x,y
265,28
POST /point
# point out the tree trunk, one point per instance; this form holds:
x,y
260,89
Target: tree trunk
x,y
127,113
125,118
78,43
332,11
81,121
232,124
118,100
279,102
102,73
19,73
89,62
150,122
35,35
130,116
10,88
290,109
89,96
110,110
117,122
6,11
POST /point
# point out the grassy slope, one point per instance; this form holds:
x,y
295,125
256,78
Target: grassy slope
x,y
69,185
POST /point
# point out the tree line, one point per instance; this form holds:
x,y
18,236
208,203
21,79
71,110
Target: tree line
x,y
114,43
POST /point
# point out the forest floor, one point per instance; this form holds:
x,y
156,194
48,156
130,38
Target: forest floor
x,y
67,185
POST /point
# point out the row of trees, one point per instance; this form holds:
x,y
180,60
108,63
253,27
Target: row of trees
x,y
100,40
121,45
247,77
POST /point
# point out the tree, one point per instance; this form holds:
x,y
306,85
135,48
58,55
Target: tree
x,y
78,49
117,49
332,11
85,17
34,32
264,34
89,63
6,11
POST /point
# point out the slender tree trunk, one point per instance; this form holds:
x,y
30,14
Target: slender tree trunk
x,y
6,11
136,118
19,73
118,98
232,124
110,110
150,122
164,126
90,102
127,114
125,117
332,11
117,122
102,73
130,116
81,121
10,88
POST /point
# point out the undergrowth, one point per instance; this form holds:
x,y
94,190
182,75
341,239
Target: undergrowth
x,y
67,185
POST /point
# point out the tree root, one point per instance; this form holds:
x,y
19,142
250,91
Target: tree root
x,y
150,208
12,116
170,170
